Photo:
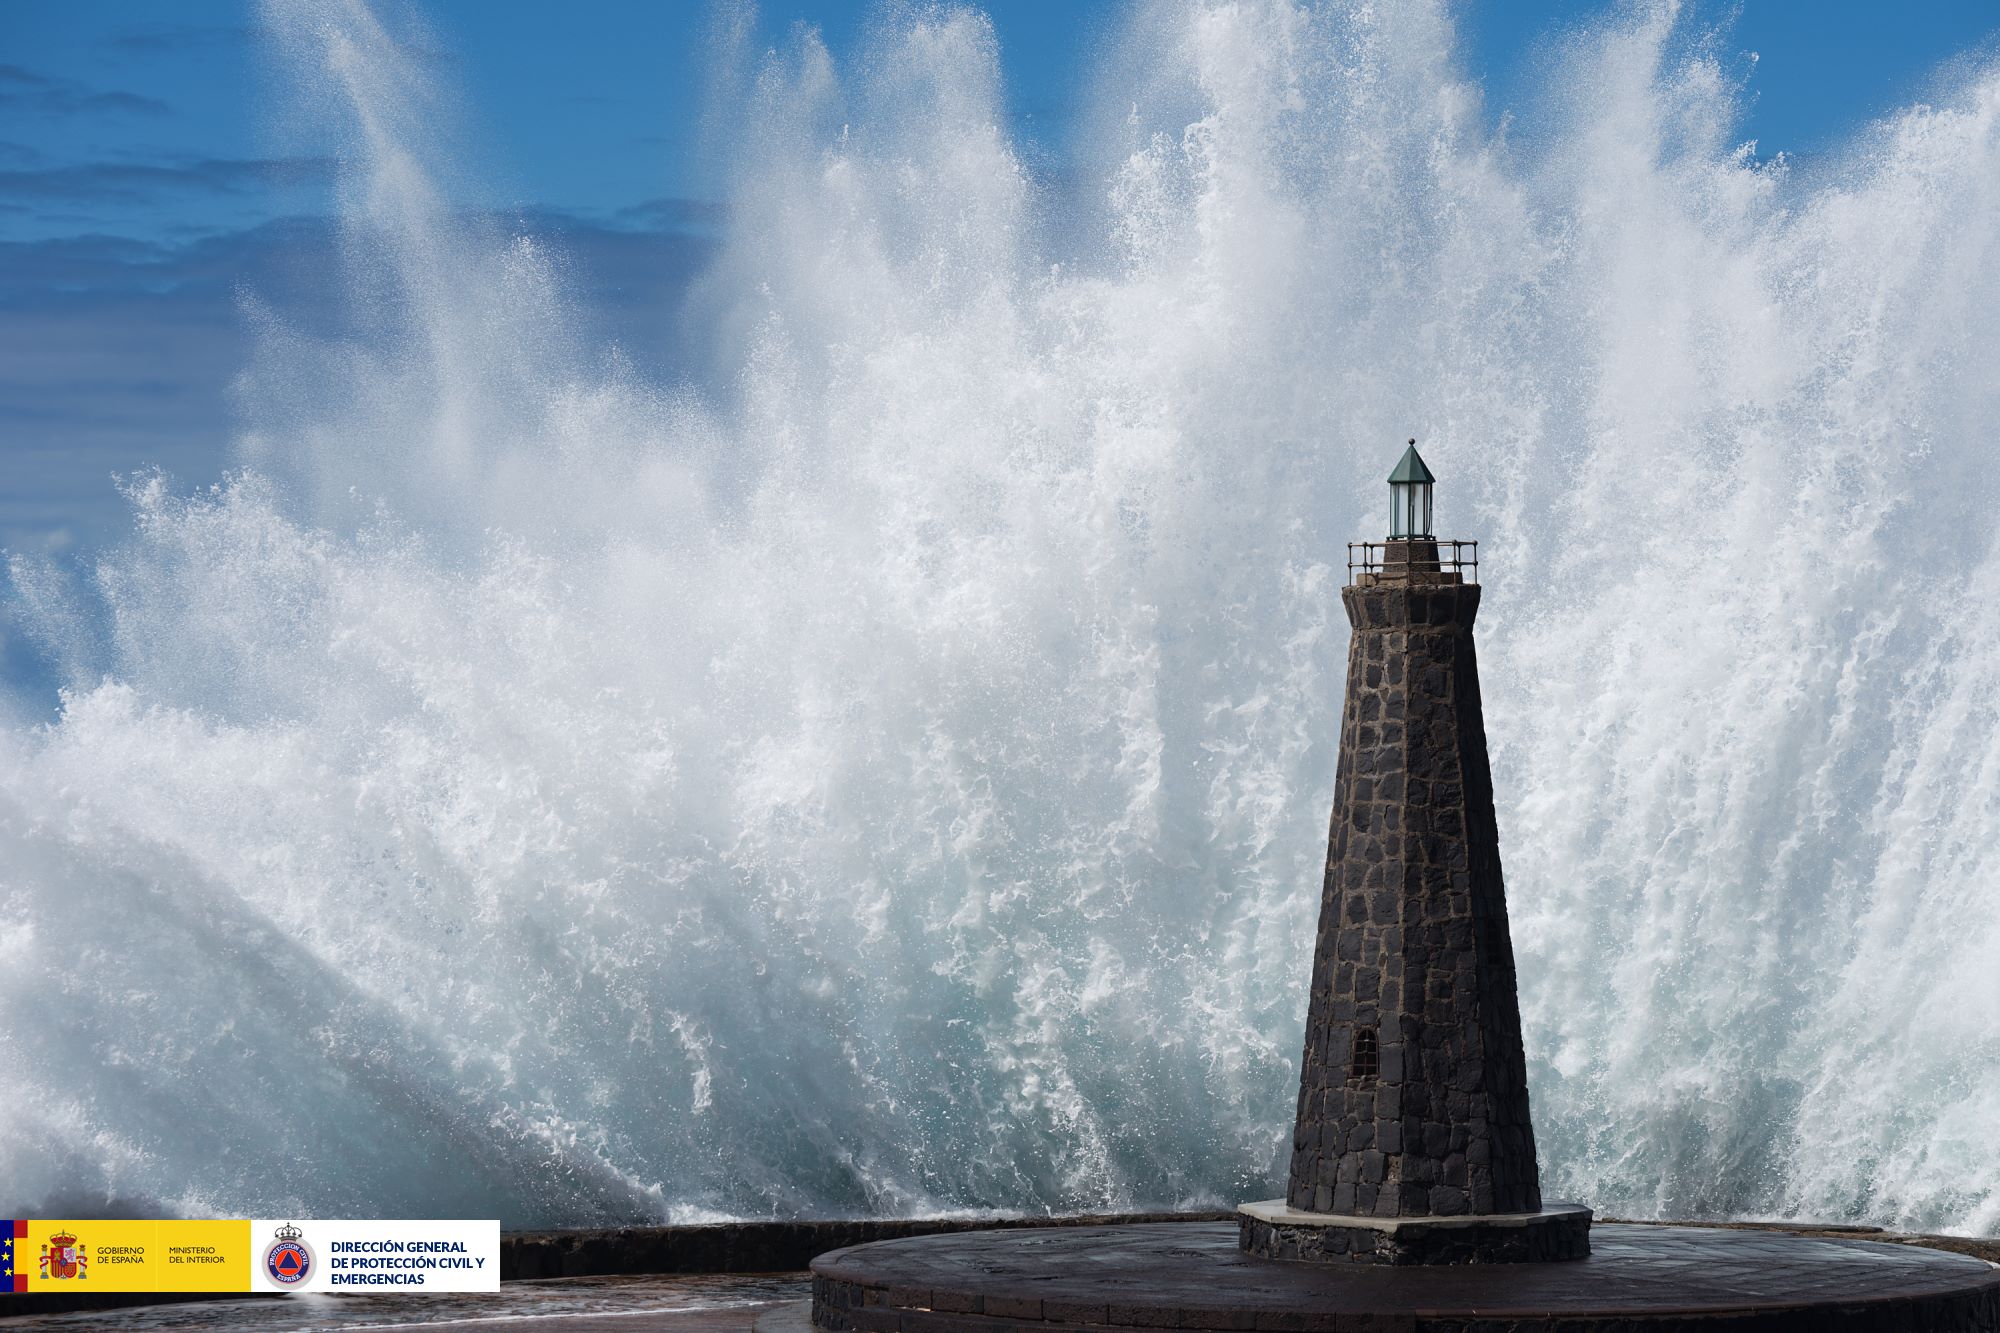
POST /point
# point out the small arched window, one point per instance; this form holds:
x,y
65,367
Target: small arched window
x,y
1367,1057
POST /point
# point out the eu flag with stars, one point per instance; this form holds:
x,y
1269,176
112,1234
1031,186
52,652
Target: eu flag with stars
x,y
11,1234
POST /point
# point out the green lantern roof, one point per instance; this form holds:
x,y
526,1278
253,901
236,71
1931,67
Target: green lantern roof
x,y
1412,467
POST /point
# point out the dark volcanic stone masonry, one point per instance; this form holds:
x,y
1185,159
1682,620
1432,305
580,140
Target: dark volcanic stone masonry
x,y
750,1247
1413,1097
1537,1238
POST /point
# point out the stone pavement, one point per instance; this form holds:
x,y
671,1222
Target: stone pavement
x,y
1193,1276
746,1319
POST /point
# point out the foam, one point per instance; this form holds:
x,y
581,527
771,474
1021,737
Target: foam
x,y
896,781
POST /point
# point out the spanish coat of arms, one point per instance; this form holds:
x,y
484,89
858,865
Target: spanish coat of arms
x,y
62,1257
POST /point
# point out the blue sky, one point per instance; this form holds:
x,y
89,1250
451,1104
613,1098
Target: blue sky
x,y
140,193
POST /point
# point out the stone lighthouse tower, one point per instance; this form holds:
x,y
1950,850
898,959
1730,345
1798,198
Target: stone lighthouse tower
x,y
1413,1142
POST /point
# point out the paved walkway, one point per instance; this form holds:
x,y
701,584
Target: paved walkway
x,y
745,1319
1192,1275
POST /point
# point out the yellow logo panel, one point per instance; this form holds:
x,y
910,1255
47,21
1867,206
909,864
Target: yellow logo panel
x,y
83,1256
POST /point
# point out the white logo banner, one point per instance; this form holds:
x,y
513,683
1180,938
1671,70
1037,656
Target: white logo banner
x,y
351,1255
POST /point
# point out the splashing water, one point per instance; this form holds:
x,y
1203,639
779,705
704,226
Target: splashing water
x,y
896,780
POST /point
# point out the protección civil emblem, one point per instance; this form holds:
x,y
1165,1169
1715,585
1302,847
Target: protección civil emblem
x,y
289,1259
63,1258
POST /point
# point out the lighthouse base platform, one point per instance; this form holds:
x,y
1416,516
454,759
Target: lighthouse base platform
x,y
1274,1231
1194,1275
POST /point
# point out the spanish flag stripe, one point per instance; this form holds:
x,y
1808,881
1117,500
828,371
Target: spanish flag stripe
x,y
11,1235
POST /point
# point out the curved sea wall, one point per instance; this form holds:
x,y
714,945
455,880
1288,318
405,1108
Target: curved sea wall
x,y
750,1247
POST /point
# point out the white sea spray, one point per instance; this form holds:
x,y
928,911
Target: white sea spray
x,y
897,781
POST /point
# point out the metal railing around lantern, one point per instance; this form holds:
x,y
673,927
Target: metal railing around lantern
x,y
1453,557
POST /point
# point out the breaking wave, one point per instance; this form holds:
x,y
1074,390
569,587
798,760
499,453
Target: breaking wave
x,y
886,769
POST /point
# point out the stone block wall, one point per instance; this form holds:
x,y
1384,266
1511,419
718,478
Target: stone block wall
x,y
752,1247
1432,1118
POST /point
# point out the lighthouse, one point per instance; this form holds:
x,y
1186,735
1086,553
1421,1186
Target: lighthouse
x,y
1413,1142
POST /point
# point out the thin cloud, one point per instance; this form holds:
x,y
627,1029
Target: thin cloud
x,y
671,213
161,38
138,182
23,90
153,39
117,353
